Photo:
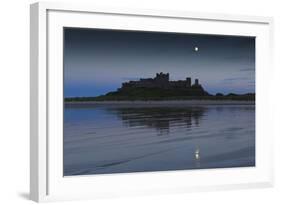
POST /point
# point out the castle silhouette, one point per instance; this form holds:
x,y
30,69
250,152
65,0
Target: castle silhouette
x,y
161,81
161,88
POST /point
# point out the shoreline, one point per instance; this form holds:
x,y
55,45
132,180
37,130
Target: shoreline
x,y
164,102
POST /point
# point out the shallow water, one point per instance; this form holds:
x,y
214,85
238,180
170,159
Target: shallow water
x,y
101,139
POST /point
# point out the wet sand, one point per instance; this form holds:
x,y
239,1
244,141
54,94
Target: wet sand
x,y
145,136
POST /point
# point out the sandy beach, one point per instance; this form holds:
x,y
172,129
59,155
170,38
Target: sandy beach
x,y
133,136
162,103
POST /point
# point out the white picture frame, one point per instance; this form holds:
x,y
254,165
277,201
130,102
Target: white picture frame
x,y
46,179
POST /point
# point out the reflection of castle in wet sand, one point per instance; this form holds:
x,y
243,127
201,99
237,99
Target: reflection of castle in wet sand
x,y
161,118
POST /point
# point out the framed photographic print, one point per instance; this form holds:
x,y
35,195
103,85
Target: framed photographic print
x,y
128,101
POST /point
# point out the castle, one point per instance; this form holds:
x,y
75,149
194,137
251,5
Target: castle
x,y
161,81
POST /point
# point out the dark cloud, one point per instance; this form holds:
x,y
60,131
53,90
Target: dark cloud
x,y
236,79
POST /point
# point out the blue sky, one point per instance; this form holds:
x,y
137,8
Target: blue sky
x,y
97,61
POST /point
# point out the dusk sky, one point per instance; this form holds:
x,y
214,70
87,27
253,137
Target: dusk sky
x,y
97,61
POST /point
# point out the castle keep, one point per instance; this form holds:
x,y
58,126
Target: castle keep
x,y
161,81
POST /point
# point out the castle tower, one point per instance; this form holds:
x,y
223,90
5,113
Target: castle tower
x,y
188,82
196,82
168,76
162,77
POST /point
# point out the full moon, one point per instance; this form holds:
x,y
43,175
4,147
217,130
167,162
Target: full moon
x,y
196,49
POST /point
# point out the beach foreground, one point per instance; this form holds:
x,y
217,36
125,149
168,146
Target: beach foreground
x,y
123,137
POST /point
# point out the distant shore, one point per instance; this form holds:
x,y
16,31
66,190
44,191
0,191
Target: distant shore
x,y
164,102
